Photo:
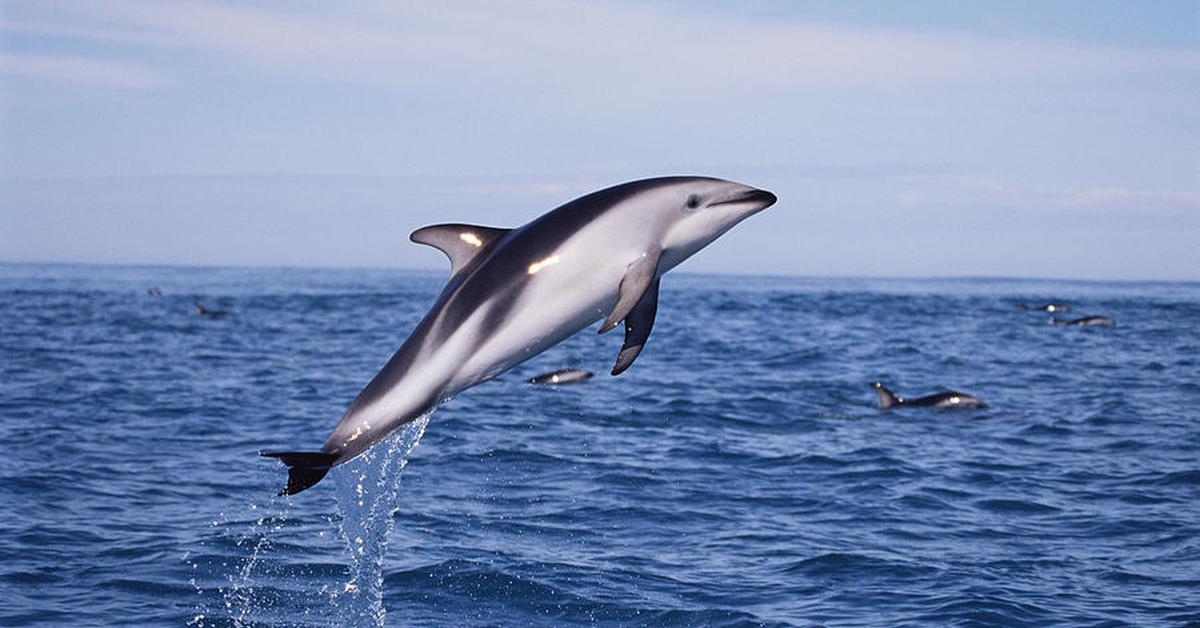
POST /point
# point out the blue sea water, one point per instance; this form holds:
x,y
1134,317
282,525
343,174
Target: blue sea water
x,y
738,475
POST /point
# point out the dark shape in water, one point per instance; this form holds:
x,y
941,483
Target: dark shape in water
x,y
154,292
1049,307
562,376
947,399
203,311
1086,321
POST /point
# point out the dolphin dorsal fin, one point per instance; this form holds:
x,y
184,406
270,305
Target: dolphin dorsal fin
x,y
461,243
887,398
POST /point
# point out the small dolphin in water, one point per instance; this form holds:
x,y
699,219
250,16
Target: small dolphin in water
x,y
1049,307
154,292
203,311
562,376
513,293
948,399
1086,321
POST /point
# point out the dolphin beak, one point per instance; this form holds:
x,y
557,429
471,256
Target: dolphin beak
x,y
757,199
765,198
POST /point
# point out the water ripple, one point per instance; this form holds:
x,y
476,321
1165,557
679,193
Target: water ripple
x,y
739,474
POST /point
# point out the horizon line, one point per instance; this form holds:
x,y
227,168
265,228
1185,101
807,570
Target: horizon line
x,y
351,267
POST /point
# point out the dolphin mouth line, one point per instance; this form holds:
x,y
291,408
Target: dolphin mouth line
x,y
764,197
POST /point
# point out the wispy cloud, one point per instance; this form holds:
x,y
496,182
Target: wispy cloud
x,y
950,193
647,52
79,70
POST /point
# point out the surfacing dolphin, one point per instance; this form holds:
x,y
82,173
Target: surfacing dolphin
x,y
513,293
948,399
1086,321
203,311
1049,307
561,376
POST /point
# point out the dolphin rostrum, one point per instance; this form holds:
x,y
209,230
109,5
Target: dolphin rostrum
x,y
513,293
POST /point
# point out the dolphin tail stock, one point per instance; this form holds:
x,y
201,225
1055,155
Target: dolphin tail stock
x,y
305,468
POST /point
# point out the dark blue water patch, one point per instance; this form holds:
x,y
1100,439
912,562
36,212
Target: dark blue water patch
x,y
739,474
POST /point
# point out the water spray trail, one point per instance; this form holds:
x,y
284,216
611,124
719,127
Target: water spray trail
x,y
367,490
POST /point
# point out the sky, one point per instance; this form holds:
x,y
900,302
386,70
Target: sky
x,y
917,138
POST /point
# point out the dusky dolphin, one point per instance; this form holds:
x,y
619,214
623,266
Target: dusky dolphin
x,y
1049,307
203,311
562,376
1086,321
513,293
947,399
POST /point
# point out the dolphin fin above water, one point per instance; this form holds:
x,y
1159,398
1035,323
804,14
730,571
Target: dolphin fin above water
x,y
887,398
460,242
946,399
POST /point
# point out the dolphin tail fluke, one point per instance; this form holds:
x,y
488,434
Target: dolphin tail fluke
x,y
305,468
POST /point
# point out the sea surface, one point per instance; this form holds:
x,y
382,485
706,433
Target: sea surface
x,y
739,474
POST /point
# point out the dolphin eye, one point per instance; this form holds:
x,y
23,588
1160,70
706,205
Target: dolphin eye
x,y
693,201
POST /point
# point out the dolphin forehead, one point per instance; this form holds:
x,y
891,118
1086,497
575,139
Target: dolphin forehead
x,y
573,215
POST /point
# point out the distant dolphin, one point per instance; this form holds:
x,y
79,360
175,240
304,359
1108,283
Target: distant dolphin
x,y
948,399
203,311
1086,321
513,293
154,292
562,376
1049,307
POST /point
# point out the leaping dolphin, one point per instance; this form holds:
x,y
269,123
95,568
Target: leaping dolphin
x,y
514,293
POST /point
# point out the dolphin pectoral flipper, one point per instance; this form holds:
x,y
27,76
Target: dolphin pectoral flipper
x,y
638,324
305,468
638,279
461,243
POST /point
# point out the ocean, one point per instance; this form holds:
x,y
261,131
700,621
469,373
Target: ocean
x,y
739,474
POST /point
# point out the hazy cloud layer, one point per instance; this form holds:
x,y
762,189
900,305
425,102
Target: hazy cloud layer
x,y
658,52
895,150
855,223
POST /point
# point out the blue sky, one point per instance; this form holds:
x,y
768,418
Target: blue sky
x,y
936,138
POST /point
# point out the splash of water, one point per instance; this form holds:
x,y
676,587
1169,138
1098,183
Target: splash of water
x,y
237,598
367,490
258,586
